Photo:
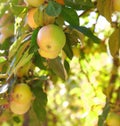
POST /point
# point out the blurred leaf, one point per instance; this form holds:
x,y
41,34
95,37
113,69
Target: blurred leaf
x,y
103,117
17,9
57,67
105,8
33,42
5,45
88,33
40,61
3,7
14,47
2,59
67,48
114,42
70,15
53,9
67,66
40,102
79,4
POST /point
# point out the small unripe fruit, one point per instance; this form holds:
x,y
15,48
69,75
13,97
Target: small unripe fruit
x,y
34,3
50,39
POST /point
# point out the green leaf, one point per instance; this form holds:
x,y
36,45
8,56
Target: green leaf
x,y
2,59
18,9
114,42
87,32
14,47
53,9
105,8
40,61
33,42
40,102
67,48
70,15
57,67
79,4
104,114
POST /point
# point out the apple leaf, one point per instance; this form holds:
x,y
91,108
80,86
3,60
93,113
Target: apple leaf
x,y
53,9
17,9
39,62
33,42
57,67
114,42
14,47
87,32
70,16
105,8
2,59
67,47
40,102
79,4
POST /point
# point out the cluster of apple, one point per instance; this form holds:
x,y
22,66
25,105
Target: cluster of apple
x,y
20,99
6,27
51,37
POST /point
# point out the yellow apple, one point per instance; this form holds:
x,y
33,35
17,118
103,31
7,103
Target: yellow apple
x,y
21,94
35,18
50,55
116,5
34,3
51,39
38,17
19,108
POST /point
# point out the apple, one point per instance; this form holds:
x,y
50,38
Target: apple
x,y
47,19
113,119
50,39
60,2
21,94
20,98
19,108
50,55
38,17
34,18
116,5
34,3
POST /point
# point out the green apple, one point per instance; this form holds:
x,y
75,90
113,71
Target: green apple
x,y
34,3
51,39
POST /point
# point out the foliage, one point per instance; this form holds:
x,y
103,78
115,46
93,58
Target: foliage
x,y
79,87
